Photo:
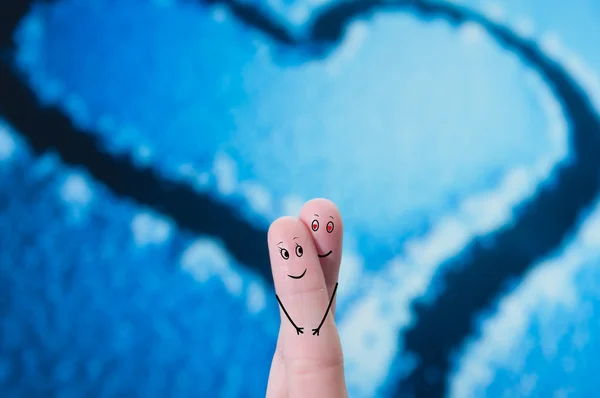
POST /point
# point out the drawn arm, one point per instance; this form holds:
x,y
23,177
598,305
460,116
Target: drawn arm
x,y
318,329
298,330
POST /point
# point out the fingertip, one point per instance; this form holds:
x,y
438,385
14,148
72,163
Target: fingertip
x,y
279,227
324,221
323,210
294,261
323,204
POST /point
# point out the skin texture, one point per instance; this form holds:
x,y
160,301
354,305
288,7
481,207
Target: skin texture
x,y
304,364
326,241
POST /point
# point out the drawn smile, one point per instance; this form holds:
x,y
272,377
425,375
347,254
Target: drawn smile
x,y
324,255
298,277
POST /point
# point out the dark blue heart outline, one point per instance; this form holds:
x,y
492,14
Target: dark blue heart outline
x,y
508,252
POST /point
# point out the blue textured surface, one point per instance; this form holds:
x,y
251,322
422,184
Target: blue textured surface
x,y
97,301
281,125
425,135
543,340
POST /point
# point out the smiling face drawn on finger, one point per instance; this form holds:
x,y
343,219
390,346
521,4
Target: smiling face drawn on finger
x,y
298,252
297,270
324,222
293,255
315,225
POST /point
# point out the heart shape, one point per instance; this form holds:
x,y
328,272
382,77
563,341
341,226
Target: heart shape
x,y
398,138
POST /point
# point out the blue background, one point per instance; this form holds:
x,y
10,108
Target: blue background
x,y
133,224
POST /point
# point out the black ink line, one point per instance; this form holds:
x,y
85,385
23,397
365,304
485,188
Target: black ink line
x,y
298,277
324,255
298,330
316,331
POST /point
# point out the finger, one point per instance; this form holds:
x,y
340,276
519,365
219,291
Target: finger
x,y
329,248
327,229
313,363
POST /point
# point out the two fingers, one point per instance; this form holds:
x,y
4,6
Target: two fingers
x,y
305,256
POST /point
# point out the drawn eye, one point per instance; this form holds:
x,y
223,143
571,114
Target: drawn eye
x,y
284,253
330,226
299,250
315,225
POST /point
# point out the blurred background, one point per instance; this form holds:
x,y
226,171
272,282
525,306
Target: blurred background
x,y
146,145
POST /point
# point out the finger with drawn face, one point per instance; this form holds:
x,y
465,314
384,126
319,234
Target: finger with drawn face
x,y
327,229
313,363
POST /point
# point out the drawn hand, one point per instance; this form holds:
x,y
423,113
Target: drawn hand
x,y
316,331
299,330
